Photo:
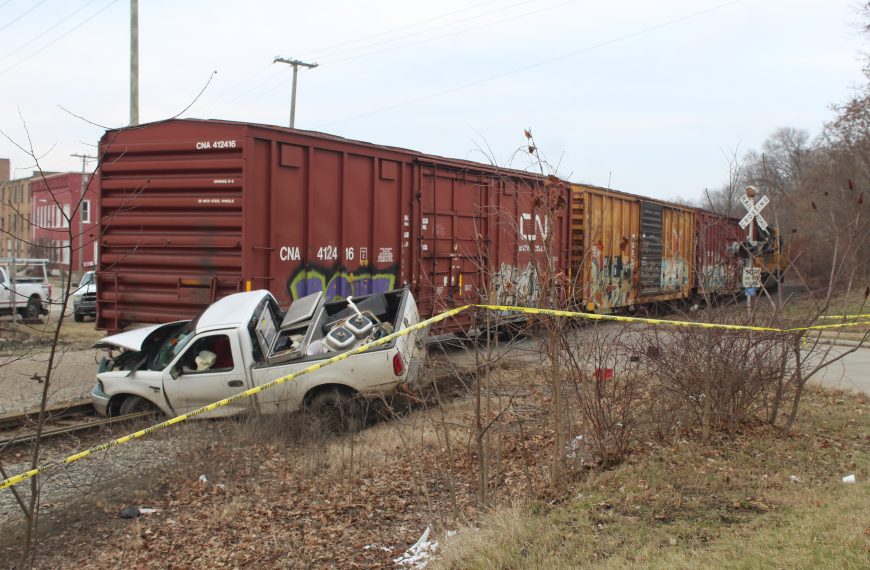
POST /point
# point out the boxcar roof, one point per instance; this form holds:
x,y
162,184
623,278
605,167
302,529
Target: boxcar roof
x,y
413,154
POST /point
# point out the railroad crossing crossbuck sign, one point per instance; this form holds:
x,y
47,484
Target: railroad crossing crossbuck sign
x,y
753,210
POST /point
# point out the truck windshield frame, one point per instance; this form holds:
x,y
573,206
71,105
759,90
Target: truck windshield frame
x,y
87,279
172,346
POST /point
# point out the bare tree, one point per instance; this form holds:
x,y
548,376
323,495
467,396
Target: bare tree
x,y
726,199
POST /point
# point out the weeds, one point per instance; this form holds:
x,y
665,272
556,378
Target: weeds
x,y
732,501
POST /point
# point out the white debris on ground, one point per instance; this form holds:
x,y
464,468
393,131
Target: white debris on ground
x,y
574,446
377,547
422,552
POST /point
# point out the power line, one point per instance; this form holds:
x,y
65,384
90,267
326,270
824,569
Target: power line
x,y
32,8
214,103
399,29
46,31
229,105
260,95
428,30
538,64
60,37
451,34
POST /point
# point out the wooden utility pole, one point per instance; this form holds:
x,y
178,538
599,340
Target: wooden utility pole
x,y
296,65
134,62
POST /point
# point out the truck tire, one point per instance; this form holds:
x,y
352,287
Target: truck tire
x,y
78,317
337,411
33,308
134,405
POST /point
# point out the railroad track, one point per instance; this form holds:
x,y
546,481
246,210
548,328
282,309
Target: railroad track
x,y
20,428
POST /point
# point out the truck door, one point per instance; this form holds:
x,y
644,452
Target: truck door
x,y
210,369
5,290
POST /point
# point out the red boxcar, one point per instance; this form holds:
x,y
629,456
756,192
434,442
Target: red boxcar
x,y
717,267
194,210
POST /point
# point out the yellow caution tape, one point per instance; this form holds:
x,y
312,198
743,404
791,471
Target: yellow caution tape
x,y
247,393
366,347
821,327
845,316
597,317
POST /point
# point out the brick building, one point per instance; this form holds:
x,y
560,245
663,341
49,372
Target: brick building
x,y
64,206
15,227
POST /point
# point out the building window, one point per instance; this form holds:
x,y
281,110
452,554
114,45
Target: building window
x,y
86,211
65,217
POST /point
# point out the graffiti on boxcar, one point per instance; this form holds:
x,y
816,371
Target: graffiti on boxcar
x,y
675,275
610,277
515,286
337,283
714,278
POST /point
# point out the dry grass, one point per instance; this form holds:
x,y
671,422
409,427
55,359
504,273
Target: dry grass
x,y
828,532
728,504
841,304
280,493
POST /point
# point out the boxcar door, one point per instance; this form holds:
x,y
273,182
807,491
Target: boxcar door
x,y
650,248
453,237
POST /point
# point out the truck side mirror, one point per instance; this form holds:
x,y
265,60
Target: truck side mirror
x,y
174,372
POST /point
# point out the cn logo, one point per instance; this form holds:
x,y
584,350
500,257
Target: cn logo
x,y
530,231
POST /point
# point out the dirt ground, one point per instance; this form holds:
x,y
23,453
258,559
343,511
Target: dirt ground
x,y
275,493
24,352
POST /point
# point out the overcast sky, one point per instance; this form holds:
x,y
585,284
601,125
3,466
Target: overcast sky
x,y
645,96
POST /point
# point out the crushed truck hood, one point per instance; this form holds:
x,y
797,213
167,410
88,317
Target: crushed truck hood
x,y
132,340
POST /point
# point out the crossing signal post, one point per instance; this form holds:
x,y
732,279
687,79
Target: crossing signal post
x,y
752,274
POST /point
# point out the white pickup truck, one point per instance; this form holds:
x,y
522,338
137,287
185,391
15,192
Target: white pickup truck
x,y
244,340
85,297
24,287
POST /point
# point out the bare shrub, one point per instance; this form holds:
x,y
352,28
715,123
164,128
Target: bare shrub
x,y
606,377
719,377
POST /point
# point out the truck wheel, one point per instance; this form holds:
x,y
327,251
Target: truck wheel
x,y
33,308
134,405
78,317
337,410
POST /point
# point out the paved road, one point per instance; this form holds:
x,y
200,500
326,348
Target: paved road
x,y
850,373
